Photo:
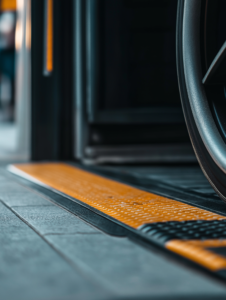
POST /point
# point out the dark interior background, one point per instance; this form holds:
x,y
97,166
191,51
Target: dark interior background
x,y
137,72
137,53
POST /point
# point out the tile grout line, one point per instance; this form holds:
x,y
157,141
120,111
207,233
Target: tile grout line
x,y
42,195
71,233
88,273
17,206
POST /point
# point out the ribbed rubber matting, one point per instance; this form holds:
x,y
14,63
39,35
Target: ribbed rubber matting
x,y
194,233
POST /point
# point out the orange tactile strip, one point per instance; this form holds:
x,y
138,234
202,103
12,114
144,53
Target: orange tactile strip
x,y
127,204
196,251
49,36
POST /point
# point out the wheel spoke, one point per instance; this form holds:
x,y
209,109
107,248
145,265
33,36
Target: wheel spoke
x,y
216,73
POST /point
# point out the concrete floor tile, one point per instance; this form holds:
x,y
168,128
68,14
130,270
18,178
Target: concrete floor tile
x,y
31,269
133,270
25,198
14,194
53,220
3,178
11,186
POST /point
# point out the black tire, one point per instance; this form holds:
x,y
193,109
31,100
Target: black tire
x,y
211,169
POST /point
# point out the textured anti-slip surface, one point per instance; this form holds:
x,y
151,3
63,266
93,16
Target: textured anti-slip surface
x,y
127,204
187,230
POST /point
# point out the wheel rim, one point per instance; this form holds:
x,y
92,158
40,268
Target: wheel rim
x,y
214,37
201,88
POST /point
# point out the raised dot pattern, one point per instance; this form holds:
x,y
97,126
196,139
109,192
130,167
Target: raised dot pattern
x,y
186,230
127,204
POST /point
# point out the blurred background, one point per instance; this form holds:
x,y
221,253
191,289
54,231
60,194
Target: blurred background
x,y
14,48
104,83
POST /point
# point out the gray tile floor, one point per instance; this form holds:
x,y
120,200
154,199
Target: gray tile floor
x,y
48,253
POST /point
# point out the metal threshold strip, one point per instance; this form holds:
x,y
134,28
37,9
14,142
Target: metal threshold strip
x,y
193,233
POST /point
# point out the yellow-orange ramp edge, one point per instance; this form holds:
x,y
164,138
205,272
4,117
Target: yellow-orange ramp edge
x,y
197,251
126,204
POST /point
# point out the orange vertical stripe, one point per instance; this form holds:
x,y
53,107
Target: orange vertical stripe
x,y
49,36
8,5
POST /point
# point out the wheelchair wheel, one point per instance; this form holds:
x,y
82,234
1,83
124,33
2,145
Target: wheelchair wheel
x,y
201,67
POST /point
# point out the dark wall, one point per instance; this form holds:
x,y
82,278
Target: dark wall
x,y
52,94
138,53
